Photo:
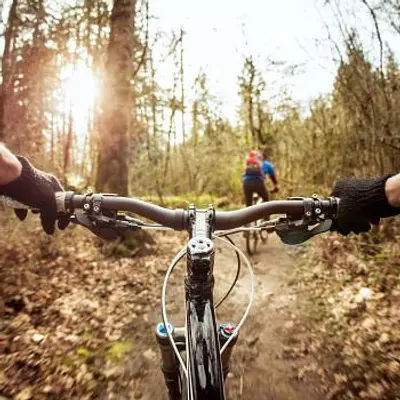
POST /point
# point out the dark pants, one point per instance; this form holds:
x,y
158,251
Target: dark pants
x,y
252,186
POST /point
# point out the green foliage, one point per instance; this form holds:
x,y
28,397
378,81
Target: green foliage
x,y
83,352
117,350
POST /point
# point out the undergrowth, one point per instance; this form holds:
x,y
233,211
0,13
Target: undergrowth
x,y
353,312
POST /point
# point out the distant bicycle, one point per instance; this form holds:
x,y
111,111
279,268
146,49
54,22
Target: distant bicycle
x,y
256,234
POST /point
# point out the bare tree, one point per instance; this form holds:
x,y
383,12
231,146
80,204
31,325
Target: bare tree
x,y
114,145
6,64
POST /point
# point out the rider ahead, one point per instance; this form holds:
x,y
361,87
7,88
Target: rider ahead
x,y
257,167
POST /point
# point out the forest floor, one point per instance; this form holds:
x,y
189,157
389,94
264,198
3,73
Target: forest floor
x,y
77,323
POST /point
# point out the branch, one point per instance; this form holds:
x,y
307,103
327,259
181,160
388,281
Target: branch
x,y
333,41
392,8
378,34
146,43
392,146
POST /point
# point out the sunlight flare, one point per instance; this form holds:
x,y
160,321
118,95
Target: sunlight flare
x,y
81,90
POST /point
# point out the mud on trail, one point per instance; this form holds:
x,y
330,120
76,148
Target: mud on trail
x,y
77,324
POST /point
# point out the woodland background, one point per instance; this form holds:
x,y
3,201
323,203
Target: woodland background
x,y
79,96
127,126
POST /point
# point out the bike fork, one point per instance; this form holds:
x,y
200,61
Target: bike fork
x,y
225,332
169,362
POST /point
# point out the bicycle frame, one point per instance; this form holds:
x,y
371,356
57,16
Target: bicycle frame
x,y
205,376
200,338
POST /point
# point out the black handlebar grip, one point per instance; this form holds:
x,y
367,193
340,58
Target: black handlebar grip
x,y
175,219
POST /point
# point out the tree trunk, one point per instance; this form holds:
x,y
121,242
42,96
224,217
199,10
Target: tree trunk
x,y
114,146
6,66
182,76
68,142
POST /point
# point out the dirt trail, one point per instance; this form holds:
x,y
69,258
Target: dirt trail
x,y
88,332
260,369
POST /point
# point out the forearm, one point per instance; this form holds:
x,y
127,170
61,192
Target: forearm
x,y
392,190
273,179
10,167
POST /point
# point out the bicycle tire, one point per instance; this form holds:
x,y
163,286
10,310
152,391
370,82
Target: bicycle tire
x,y
203,344
263,234
251,242
184,385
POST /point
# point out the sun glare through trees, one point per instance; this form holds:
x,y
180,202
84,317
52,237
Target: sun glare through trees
x,y
80,88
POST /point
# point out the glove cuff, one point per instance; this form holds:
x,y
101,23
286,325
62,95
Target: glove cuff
x,y
367,196
20,187
376,202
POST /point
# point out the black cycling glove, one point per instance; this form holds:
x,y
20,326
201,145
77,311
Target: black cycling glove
x,y
362,203
36,189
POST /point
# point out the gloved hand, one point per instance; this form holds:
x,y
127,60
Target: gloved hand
x,y
362,203
275,189
36,189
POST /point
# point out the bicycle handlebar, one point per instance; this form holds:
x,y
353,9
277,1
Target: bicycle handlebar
x,y
233,219
178,219
175,219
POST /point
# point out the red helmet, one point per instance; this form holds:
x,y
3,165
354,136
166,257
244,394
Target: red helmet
x,y
253,154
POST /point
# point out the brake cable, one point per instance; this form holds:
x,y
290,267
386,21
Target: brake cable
x,y
226,295
164,316
251,294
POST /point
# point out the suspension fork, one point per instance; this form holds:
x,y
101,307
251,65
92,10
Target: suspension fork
x,y
225,332
169,363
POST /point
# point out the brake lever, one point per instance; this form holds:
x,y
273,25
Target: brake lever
x,y
106,227
292,234
103,232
